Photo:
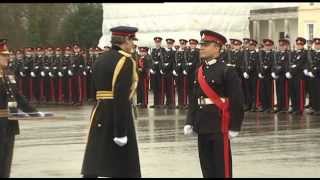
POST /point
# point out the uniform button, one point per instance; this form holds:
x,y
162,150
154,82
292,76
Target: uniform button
x,y
200,107
207,67
99,125
11,96
212,81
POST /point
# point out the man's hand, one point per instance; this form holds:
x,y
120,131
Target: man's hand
x,y
233,134
187,130
121,141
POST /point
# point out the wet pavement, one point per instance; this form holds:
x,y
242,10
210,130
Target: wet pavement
x,y
269,145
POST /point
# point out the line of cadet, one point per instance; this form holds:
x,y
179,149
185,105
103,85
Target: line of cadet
x,y
273,79
54,76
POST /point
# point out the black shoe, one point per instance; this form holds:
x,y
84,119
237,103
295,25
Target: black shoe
x,y
152,106
316,113
298,113
260,109
253,109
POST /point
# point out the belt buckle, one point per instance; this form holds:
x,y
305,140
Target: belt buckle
x,y
202,101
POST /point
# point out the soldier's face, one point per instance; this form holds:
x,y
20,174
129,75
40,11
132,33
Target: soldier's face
x,y
317,46
209,50
237,47
193,46
268,48
283,47
4,60
158,44
169,45
299,46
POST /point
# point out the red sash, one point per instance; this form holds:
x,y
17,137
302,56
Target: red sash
x,y
213,96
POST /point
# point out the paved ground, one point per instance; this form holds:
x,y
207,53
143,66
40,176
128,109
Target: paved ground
x,y
268,146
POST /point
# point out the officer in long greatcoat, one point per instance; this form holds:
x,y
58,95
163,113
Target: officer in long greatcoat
x,y
112,149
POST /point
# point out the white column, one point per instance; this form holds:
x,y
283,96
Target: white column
x,y
258,38
270,28
254,29
286,26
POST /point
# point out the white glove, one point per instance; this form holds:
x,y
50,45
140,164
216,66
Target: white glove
x,y
121,141
33,74
37,67
233,134
50,74
305,72
260,76
161,72
22,74
246,75
311,74
189,64
152,72
84,73
70,72
274,76
43,74
288,75
60,74
187,130
166,64
174,73
41,114
184,72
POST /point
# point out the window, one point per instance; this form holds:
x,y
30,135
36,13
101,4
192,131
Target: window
x,y
310,30
281,35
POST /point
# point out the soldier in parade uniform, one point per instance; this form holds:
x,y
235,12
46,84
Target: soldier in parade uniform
x,y
49,75
42,69
65,75
28,63
112,149
250,75
216,110
166,71
314,74
266,60
181,73
156,78
89,63
20,71
10,101
77,66
235,58
143,65
296,72
279,68
192,62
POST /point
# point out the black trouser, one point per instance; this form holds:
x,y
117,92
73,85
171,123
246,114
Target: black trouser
x,y
156,80
182,88
252,90
169,89
6,153
296,87
315,93
282,93
142,89
308,89
215,155
266,92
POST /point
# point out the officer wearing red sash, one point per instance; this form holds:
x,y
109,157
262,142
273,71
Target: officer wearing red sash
x,y
216,110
